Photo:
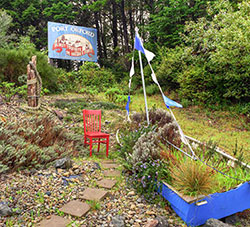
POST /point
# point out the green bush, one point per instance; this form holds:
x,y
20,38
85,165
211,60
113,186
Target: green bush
x,y
213,65
90,75
14,60
8,90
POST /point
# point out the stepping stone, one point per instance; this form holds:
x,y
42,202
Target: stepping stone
x,y
108,161
111,173
54,221
109,165
94,194
75,208
106,183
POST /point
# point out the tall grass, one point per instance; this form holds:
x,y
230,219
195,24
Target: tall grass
x,y
192,178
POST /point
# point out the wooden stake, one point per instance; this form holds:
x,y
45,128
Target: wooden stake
x,y
32,85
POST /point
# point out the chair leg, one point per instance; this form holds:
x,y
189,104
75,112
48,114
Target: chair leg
x,y
98,145
107,146
90,147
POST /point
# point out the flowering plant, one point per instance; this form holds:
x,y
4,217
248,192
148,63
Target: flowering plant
x,y
146,175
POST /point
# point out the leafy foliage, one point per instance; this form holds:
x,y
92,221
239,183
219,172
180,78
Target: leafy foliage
x,y
13,64
8,90
90,76
213,66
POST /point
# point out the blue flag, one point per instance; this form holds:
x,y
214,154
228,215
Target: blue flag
x,y
138,44
168,102
127,105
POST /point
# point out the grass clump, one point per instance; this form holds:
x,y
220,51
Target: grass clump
x,y
192,178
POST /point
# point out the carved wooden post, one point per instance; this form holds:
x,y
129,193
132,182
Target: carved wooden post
x,y
32,85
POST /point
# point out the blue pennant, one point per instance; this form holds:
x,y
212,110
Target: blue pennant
x,y
127,105
168,102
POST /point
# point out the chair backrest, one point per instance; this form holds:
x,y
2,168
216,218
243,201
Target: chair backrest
x,y
92,120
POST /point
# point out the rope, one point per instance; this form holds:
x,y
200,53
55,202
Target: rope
x,y
32,81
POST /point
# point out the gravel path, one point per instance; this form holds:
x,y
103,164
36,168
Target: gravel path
x,y
35,195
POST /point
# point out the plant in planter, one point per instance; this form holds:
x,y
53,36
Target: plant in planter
x,y
192,178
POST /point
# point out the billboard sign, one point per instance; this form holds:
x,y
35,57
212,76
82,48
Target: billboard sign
x,y
72,42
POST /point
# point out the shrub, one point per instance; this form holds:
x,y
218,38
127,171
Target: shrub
x,y
213,64
8,90
35,142
112,93
90,75
146,147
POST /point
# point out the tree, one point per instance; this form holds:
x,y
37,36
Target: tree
x,y
5,22
168,19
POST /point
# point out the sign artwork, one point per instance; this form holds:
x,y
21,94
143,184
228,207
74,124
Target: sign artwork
x,y
72,42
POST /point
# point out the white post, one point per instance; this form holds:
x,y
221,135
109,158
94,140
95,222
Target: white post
x,y
144,90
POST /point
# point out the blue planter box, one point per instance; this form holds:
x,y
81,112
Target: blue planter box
x,y
217,205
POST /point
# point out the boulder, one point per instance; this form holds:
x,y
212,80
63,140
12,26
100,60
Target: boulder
x,y
5,210
118,221
215,223
63,163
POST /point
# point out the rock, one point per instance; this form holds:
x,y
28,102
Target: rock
x,y
215,223
139,200
107,122
5,210
232,220
131,193
152,223
133,206
48,193
163,221
63,163
118,221
149,212
96,165
59,114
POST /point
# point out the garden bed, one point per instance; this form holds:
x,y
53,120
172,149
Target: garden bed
x,y
196,210
218,205
205,181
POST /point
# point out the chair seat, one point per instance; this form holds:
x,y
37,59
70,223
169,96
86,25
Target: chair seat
x,y
97,134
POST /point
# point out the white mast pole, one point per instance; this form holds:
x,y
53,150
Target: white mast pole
x,y
143,84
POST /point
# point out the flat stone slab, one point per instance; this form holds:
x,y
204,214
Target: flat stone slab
x,y
75,208
106,183
54,221
94,194
108,161
109,165
111,173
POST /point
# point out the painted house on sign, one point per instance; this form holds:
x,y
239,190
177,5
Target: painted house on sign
x,y
72,42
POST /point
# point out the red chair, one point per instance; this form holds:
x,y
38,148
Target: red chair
x,y
92,130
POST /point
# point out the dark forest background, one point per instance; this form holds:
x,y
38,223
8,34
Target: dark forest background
x,y
202,47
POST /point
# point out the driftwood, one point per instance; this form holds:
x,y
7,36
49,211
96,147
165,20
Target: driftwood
x,y
34,83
